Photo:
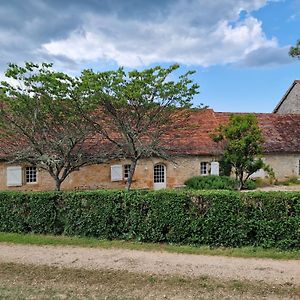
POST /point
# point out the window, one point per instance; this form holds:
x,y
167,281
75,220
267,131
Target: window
x,y
159,174
126,171
203,168
31,174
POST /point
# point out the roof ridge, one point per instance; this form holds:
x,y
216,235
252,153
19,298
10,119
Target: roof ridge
x,y
285,95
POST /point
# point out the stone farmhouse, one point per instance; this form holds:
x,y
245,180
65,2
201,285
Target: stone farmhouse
x,y
199,155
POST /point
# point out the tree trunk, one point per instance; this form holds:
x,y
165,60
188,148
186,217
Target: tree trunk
x,y
241,180
57,184
245,180
131,173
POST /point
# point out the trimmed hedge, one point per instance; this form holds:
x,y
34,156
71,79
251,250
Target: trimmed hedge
x,y
216,218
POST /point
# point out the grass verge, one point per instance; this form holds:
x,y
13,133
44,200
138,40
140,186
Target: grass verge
x,y
18,281
246,252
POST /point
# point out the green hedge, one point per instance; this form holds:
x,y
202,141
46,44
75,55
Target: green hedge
x,y
216,218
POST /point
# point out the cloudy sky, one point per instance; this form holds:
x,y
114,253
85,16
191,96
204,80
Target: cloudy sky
x,y
239,48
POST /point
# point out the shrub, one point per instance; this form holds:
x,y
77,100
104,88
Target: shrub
x,y
250,184
215,218
94,214
13,212
211,182
274,219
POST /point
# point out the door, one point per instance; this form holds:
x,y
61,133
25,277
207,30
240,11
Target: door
x,y
159,177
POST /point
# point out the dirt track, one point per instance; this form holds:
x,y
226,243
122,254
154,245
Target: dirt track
x,y
225,268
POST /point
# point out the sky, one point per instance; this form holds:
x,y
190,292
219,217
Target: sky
x,y
238,48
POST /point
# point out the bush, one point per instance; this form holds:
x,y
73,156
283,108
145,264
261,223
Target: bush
x,y
215,218
250,184
274,219
211,182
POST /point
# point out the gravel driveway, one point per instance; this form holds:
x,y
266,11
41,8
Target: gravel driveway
x,y
225,268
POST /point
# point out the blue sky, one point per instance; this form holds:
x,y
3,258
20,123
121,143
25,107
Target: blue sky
x,y
239,48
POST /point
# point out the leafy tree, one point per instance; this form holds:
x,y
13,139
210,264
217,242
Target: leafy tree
x,y
39,125
140,108
243,140
295,50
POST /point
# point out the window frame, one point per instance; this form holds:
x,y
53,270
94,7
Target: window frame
x,y
162,173
126,171
206,164
30,173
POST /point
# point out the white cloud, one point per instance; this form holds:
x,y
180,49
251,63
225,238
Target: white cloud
x,y
133,33
196,32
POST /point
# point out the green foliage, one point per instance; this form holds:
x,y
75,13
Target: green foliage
x,y
273,219
223,223
141,106
250,184
215,218
295,50
94,214
13,212
30,212
40,122
225,166
47,117
243,146
211,182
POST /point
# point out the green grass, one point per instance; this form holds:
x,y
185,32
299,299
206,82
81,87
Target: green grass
x,y
19,281
247,252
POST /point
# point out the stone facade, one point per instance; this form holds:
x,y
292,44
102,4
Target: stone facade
x,y
284,165
99,176
281,132
290,103
177,172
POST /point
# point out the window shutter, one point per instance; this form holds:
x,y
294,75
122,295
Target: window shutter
x,y
214,168
14,176
116,172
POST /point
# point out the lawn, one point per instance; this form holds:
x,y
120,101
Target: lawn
x,y
42,282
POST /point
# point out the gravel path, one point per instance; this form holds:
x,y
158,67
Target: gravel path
x,y
275,188
225,268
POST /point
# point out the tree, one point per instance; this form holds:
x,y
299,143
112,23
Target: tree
x,y
39,125
295,50
140,108
243,146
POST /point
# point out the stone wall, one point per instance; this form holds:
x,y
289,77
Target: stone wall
x,y
291,104
99,176
284,165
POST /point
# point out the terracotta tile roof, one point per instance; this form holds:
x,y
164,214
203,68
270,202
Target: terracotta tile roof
x,y
281,134
194,136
